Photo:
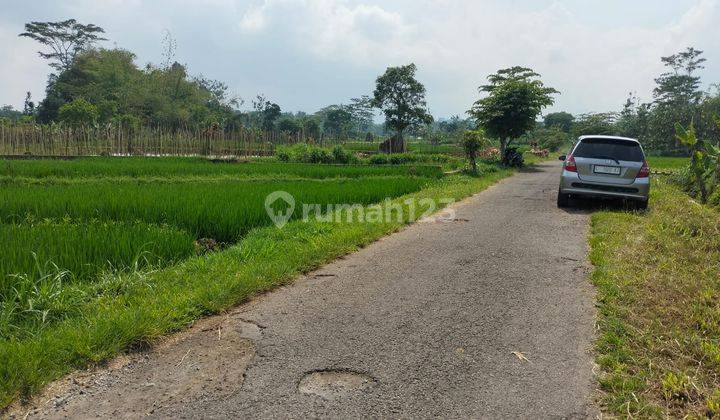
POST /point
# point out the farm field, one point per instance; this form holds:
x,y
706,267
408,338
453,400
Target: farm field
x,y
104,253
661,163
172,167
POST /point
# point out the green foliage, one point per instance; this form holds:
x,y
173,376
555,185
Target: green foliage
x,y
305,153
401,98
594,124
562,120
703,176
473,141
66,39
78,113
110,80
39,258
515,98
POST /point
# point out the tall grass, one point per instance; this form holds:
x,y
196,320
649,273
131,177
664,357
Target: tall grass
x,y
223,211
85,249
187,167
43,266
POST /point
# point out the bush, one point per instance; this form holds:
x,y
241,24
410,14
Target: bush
x,y
304,153
378,159
340,155
79,112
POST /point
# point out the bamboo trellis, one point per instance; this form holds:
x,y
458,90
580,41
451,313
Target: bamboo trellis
x,y
49,140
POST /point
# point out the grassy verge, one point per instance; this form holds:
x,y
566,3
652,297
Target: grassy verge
x,y
666,164
658,280
131,309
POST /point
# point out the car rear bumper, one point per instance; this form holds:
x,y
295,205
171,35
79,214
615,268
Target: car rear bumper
x,y
570,183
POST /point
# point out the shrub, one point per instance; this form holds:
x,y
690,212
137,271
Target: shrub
x,y
340,155
472,142
79,112
378,159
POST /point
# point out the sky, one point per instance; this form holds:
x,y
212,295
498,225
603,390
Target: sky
x,y
307,54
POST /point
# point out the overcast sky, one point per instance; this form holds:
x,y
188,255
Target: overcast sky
x,y
305,54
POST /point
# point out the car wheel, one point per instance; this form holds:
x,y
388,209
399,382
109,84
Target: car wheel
x,y
641,205
563,200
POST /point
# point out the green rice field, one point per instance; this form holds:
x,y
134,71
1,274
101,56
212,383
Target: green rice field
x,y
141,167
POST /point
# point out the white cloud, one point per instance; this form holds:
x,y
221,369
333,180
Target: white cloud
x,y
594,53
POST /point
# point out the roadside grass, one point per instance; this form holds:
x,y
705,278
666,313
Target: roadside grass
x,y
658,280
94,167
129,310
662,163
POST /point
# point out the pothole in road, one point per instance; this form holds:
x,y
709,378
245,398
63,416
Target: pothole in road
x,y
331,384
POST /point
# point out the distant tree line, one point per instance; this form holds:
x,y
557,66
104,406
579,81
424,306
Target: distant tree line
x,y
677,99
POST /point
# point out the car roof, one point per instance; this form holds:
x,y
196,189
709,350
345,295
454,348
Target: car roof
x,y
609,137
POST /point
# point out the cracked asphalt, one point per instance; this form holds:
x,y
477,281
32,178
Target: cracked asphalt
x,y
490,316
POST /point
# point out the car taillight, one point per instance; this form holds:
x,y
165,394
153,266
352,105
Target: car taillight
x,y
570,164
644,170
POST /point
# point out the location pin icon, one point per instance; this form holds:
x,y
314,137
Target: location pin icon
x,y
279,217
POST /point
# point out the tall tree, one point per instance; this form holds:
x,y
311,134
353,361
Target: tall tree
x,y
515,98
562,120
362,113
676,98
66,39
402,99
270,114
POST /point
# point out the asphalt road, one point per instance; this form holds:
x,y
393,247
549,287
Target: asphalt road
x,y
489,316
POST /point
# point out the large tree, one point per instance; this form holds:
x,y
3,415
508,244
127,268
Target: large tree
x,y
676,98
402,99
562,120
515,98
66,39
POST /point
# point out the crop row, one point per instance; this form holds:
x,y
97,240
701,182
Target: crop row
x,y
186,167
223,211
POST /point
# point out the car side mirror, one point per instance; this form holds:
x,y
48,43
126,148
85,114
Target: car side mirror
x,y
562,157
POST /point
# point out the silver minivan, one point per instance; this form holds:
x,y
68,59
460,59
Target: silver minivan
x,y
605,166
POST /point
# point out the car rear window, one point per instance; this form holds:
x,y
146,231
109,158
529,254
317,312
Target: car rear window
x,y
609,149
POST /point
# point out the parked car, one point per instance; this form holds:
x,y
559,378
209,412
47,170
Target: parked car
x,y
605,166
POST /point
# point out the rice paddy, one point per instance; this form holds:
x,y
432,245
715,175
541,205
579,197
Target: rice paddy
x,y
69,225
102,254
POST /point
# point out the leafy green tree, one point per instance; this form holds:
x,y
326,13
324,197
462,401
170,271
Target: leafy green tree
x,y
311,127
562,120
337,121
594,124
552,138
676,98
473,141
402,99
9,114
289,124
361,110
515,98
270,115
78,113
66,39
